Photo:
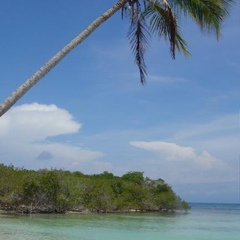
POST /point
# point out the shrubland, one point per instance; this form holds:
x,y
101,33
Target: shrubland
x,y
60,191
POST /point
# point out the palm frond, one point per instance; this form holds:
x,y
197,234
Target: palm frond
x,y
162,17
138,36
138,33
130,7
181,44
208,14
124,11
163,21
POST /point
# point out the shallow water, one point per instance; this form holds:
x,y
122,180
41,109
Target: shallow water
x,y
203,222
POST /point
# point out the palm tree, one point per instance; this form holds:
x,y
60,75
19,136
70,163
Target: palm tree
x,y
147,17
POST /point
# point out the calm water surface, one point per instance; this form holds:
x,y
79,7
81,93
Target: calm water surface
x,y
203,222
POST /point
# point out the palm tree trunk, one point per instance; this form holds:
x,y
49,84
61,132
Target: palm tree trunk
x,y
29,83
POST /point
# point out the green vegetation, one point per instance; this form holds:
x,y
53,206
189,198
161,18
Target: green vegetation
x,y
59,191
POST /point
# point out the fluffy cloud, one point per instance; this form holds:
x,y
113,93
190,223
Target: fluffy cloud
x,y
34,122
170,150
173,152
24,138
184,167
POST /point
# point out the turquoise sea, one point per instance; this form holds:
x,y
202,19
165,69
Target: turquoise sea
x,y
203,222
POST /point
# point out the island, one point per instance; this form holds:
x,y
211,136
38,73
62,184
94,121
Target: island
x,y
61,191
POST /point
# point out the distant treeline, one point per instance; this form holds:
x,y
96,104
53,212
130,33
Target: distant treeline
x,y
59,191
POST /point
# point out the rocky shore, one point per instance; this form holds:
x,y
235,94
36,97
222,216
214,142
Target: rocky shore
x,y
7,208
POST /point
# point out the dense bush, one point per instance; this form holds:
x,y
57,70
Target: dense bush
x,y
60,191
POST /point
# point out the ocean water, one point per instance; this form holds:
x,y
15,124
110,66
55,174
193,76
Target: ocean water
x,y
203,222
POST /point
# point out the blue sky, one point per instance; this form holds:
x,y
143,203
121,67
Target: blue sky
x,y
91,113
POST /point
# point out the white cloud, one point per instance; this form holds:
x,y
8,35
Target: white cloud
x,y
170,150
183,166
173,152
24,134
34,122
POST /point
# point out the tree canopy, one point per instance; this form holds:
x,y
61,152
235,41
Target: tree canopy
x,y
59,191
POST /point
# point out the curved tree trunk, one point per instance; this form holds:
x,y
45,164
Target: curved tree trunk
x,y
29,83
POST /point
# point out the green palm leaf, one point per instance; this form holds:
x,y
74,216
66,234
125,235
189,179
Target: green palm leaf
x,y
163,21
208,14
138,36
